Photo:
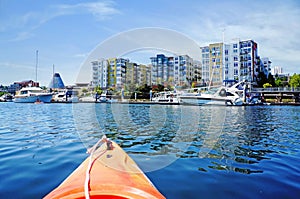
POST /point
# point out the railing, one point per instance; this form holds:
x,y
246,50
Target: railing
x,y
276,89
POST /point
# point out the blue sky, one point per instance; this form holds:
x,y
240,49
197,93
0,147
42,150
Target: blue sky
x,y
65,32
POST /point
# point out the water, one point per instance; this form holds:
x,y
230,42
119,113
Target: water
x,y
186,151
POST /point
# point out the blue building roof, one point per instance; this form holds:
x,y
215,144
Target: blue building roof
x,y
56,82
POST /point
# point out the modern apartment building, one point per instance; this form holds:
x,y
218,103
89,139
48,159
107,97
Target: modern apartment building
x,y
212,64
249,67
160,69
174,70
143,74
236,61
119,72
220,63
231,62
116,72
266,66
100,74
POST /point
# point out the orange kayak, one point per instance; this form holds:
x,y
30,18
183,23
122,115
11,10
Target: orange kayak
x,y
108,173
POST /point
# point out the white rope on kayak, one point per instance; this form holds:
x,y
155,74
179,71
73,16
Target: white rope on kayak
x,y
87,174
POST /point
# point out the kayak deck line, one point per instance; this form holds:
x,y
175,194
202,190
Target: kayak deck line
x,y
107,173
91,151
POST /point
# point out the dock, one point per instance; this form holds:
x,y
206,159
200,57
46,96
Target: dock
x,y
279,95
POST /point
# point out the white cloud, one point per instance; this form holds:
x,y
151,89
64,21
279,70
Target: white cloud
x,y
34,19
273,25
100,10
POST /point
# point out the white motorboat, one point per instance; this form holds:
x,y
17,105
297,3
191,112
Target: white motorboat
x,y
66,97
211,96
105,98
166,97
6,98
31,95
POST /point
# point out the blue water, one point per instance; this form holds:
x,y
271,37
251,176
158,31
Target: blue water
x,y
186,151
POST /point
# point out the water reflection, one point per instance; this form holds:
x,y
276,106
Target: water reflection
x,y
230,138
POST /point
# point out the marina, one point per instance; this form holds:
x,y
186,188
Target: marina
x,y
150,100
239,94
257,149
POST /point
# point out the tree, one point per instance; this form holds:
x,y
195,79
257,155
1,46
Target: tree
x,y
295,80
98,90
278,82
193,84
271,80
84,91
159,88
262,79
267,85
145,88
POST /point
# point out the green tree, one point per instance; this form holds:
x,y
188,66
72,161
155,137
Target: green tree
x,y
267,85
193,84
295,80
278,82
98,90
84,91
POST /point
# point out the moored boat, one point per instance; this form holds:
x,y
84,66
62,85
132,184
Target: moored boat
x,y
108,173
166,97
105,98
212,96
31,95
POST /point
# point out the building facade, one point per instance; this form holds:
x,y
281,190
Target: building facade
x,y
119,73
212,64
249,66
116,72
266,66
236,61
277,70
100,73
175,70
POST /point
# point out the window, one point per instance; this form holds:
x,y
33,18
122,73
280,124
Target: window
x,y
236,72
226,52
234,45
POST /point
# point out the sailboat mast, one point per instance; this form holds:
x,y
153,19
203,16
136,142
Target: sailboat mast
x,y
53,77
36,64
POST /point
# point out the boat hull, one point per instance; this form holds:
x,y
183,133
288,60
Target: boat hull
x,y
31,99
211,101
113,175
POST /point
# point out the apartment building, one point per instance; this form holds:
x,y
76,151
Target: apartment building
x,y
119,72
249,67
116,72
266,66
174,70
236,61
100,74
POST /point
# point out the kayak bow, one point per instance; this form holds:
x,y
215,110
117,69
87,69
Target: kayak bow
x,y
111,173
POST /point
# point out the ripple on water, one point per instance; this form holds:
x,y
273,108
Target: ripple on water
x,y
254,155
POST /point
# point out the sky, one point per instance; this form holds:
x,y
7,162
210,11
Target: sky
x,y
66,32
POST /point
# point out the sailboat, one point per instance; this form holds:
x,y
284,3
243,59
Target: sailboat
x,y
33,94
